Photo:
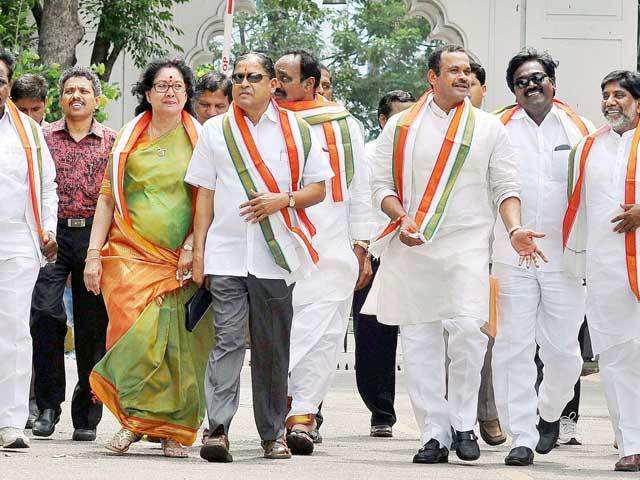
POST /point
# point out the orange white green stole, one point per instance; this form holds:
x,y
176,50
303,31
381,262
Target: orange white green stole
x,y
574,228
27,130
506,113
453,153
126,141
288,232
333,118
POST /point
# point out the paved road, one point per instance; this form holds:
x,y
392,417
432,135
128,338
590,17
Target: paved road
x,y
347,452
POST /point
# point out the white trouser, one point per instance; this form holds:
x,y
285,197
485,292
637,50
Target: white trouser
x,y
546,308
424,364
17,279
620,374
317,332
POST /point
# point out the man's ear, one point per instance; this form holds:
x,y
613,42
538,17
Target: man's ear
x,y
431,77
382,120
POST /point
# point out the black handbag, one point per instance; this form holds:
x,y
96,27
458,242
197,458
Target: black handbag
x,y
196,307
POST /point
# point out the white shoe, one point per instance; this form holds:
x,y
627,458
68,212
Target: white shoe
x,y
569,431
11,437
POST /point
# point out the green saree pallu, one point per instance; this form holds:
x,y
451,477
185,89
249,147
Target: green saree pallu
x,y
152,376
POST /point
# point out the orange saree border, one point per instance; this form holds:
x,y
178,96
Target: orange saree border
x,y
108,394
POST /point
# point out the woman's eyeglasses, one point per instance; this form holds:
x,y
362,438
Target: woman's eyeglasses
x,y
161,87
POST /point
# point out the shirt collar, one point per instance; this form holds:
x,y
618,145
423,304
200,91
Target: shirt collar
x,y
271,113
521,114
437,111
97,129
626,136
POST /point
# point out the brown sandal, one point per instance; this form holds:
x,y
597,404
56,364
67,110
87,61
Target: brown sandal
x,y
122,440
173,449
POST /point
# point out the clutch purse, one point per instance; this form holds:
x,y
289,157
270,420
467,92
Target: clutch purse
x,y
196,307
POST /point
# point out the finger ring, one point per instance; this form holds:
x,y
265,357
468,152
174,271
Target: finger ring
x,y
185,271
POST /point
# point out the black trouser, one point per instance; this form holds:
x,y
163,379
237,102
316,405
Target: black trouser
x,y
375,360
49,328
571,409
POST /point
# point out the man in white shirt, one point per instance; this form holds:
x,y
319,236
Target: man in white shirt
x,y
322,301
257,168
601,242
544,305
440,170
28,221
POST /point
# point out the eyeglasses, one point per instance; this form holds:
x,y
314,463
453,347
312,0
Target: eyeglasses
x,y
536,78
164,87
238,78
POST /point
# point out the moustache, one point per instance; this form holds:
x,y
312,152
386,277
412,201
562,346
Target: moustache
x,y
280,93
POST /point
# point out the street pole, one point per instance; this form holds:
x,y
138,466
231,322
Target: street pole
x,y
227,41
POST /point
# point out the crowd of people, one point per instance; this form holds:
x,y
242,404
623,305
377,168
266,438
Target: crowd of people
x,y
468,235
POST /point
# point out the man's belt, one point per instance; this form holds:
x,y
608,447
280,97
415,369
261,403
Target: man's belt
x,y
75,222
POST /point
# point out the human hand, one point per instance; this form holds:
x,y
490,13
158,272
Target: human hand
x,y
628,220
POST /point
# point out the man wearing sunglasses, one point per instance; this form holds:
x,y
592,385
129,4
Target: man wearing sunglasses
x,y
257,167
441,170
544,305
322,302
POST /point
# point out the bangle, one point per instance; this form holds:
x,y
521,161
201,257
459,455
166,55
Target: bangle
x,y
513,229
93,258
362,244
187,247
93,250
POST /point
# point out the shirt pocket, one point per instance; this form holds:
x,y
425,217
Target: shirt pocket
x,y
560,165
281,172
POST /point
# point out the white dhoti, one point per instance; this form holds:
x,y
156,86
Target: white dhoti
x,y
318,333
620,374
540,307
17,279
423,349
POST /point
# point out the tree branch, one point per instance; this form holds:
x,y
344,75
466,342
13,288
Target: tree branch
x,y
36,11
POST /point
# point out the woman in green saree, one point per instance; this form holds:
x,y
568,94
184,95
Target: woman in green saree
x,y
140,256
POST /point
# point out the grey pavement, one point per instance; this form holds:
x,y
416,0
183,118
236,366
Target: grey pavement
x,y
347,451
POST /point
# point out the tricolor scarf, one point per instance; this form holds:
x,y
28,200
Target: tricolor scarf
x,y
27,130
574,227
288,232
126,141
507,113
453,153
333,118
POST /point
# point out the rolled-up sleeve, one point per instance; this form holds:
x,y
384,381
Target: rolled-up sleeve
x,y
382,184
503,169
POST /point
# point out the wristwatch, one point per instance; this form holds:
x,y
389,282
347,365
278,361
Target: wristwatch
x,y
362,244
292,200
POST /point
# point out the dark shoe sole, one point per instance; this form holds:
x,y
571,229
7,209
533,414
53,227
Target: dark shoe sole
x,y
215,453
513,462
467,459
544,452
493,441
40,433
83,437
626,469
19,443
300,443
431,461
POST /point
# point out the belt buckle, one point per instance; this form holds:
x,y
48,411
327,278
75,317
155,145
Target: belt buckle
x,y
76,222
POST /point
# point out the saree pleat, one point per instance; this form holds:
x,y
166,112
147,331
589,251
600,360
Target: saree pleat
x,y
151,377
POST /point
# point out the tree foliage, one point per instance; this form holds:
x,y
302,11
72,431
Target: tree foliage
x,y
143,28
17,30
377,48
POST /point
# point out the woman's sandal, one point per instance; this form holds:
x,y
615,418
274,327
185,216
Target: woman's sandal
x,y
122,440
173,449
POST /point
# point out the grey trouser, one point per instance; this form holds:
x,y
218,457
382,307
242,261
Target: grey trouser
x,y
266,305
486,402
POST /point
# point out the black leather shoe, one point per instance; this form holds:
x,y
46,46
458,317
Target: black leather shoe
x,y
45,424
431,452
33,414
519,457
549,433
466,445
84,435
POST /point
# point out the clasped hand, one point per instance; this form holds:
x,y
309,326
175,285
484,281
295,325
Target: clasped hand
x,y
263,204
628,220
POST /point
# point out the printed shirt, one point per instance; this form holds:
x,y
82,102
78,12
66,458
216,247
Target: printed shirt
x,y
80,166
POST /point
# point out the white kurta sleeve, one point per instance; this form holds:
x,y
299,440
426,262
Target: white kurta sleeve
x,y
202,167
360,213
503,170
49,189
382,184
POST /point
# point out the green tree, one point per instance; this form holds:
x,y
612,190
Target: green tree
x,y
17,31
143,28
377,48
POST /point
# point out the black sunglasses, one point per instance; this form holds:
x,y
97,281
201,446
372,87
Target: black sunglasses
x,y
238,78
536,78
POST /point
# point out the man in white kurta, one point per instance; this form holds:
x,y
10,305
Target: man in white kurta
x,y
443,283
543,306
322,302
21,237
613,309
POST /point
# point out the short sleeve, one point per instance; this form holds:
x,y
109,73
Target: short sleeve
x,y
317,168
202,167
